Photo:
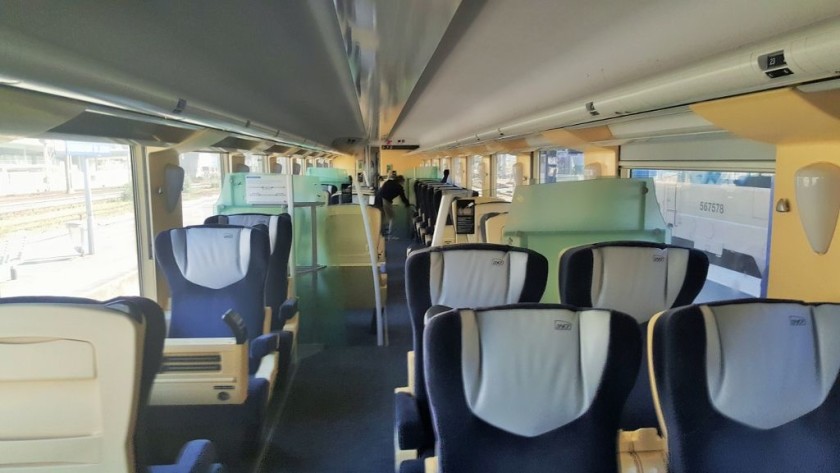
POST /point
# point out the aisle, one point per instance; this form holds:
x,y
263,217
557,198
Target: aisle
x,y
338,416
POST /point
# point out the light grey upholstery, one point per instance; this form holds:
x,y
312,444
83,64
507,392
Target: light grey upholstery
x,y
199,250
554,366
493,277
768,364
641,297
247,220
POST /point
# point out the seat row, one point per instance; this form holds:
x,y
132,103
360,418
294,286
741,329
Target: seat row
x,y
75,380
543,387
230,337
430,196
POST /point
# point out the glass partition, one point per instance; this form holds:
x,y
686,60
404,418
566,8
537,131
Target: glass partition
x,y
549,218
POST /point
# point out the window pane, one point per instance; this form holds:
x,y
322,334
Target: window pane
x,y
725,214
478,173
504,176
49,242
560,165
202,184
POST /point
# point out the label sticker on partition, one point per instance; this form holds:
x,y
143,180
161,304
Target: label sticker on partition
x,y
266,189
465,212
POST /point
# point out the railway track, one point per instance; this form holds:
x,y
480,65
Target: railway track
x,y
12,205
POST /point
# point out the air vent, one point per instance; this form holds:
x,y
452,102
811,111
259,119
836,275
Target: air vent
x,y
182,363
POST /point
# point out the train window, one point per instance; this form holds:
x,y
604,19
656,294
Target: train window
x,y
202,184
256,162
725,214
67,219
504,176
560,164
478,174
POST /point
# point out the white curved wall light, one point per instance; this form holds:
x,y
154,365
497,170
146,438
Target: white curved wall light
x,y
818,200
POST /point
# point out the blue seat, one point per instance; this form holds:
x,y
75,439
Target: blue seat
x,y
529,387
212,269
73,349
285,319
464,275
640,279
748,386
276,283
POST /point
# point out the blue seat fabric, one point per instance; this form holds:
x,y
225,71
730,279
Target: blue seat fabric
x,y
467,444
576,289
701,439
276,282
417,268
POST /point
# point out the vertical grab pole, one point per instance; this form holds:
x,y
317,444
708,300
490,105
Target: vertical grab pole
x,y
381,329
290,206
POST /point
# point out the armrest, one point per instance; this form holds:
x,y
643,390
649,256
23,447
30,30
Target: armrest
x,y
287,310
409,430
198,371
197,456
263,345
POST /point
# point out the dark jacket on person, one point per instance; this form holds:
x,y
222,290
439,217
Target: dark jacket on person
x,y
391,189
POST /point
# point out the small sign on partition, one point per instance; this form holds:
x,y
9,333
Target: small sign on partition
x,y
266,189
465,216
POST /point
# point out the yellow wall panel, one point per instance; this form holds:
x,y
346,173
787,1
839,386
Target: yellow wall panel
x,y
797,272
399,160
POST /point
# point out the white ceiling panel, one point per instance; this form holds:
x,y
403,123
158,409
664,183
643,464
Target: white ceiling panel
x,y
520,57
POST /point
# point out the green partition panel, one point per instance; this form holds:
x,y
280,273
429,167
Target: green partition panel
x,y
307,194
549,218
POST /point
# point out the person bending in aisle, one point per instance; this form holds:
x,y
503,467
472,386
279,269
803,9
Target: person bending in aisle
x,y
390,190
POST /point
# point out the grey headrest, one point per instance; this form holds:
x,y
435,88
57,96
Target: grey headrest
x,y
653,284
462,278
768,364
212,257
269,221
530,371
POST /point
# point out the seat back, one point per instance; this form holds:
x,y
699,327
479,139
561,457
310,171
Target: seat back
x,y
529,387
482,209
639,279
210,270
71,372
493,227
468,275
748,385
280,240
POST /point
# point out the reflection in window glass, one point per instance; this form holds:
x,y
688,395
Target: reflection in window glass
x,y
560,165
202,184
504,176
725,214
67,219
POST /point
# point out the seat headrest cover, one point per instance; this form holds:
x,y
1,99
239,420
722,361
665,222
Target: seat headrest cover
x,y
250,220
529,372
492,277
769,364
656,280
212,257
